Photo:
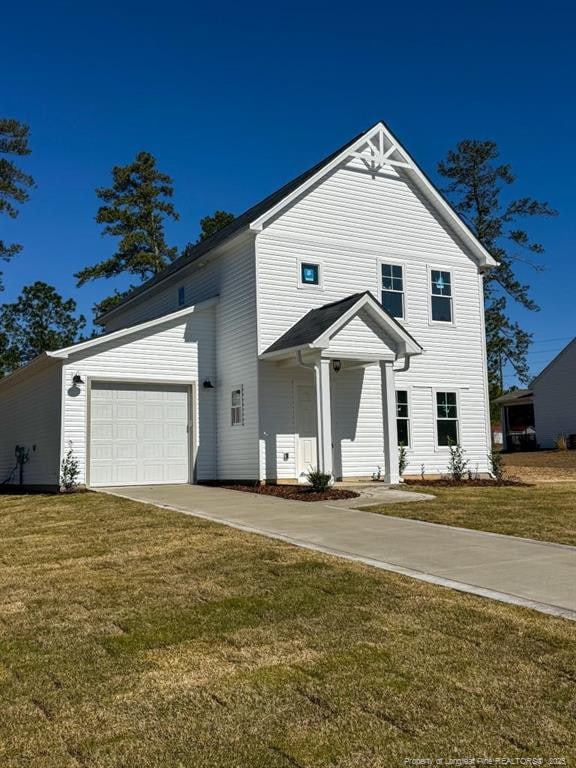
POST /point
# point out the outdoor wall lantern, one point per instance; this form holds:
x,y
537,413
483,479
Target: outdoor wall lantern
x,y
336,365
207,384
77,379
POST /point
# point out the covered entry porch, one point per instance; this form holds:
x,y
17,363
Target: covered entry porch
x,y
338,366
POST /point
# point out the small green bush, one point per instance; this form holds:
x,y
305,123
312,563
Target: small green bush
x,y
496,464
457,464
319,481
402,459
69,471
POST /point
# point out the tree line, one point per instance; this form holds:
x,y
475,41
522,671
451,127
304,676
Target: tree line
x,y
136,206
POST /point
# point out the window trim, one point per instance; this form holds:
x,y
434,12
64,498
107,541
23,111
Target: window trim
x,y
240,422
310,286
431,321
399,262
452,390
408,419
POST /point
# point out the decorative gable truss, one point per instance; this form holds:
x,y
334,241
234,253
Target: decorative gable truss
x,y
379,151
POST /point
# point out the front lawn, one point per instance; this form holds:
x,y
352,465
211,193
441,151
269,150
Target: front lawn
x,y
546,512
138,637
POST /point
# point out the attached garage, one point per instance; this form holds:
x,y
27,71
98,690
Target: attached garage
x,y
139,433
127,404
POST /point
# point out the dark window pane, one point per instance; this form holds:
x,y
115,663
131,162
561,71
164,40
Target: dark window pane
x,y
450,398
397,284
396,271
387,283
392,303
441,309
441,283
402,396
447,431
310,274
402,427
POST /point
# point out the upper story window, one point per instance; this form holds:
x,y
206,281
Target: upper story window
x,y
393,289
181,296
309,273
447,418
402,417
441,296
237,407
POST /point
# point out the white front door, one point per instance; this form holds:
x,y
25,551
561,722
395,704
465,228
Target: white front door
x,y
138,434
306,446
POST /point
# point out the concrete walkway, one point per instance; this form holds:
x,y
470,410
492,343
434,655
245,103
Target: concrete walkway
x,y
519,571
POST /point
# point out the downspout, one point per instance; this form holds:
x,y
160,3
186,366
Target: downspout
x,y
405,365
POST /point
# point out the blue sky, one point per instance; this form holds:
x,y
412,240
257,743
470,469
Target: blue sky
x,y
234,99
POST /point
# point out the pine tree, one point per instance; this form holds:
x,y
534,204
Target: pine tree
x,y
39,320
135,208
13,181
475,191
211,224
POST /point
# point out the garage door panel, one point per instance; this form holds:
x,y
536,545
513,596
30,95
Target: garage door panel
x,y
138,434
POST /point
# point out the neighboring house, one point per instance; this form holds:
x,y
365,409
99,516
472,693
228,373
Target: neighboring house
x,y
341,315
517,419
554,391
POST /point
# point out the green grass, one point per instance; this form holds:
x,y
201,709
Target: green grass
x,y
545,512
137,637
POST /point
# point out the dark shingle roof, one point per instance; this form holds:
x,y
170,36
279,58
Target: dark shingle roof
x,y
314,323
514,397
318,320
240,222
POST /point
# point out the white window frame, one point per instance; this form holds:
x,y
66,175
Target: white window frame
x,y
237,411
441,323
181,295
435,392
309,286
396,263
409,418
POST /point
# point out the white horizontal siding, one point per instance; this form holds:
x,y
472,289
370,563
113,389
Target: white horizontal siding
x,y
229,273
555,398
350,224
30,411
180,352
360,336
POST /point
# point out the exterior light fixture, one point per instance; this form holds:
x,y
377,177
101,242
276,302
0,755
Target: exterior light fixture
x,y
336,365
77,379
207,384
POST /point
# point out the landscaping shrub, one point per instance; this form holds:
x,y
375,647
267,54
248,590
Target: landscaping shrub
x,y
457,464
496,464
319,481
561,443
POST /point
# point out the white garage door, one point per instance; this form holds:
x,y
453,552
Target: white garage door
x,y
138,434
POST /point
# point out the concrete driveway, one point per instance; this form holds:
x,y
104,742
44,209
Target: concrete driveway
x,y
520,571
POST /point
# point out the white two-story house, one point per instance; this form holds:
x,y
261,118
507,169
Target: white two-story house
x,y
338,318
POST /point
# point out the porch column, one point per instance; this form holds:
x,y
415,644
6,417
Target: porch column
x,y
391,473
324,415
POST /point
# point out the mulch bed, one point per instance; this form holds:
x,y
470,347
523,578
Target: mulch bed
x,y
445,482
295,492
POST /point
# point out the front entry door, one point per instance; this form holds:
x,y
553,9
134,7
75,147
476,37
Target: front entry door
x,y
306,448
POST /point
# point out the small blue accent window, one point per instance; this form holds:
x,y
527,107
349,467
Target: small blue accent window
x,y
310,274
181,296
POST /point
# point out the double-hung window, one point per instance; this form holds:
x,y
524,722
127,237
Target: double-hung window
x,y
237,407
393,289
441,296
402,417
447,418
